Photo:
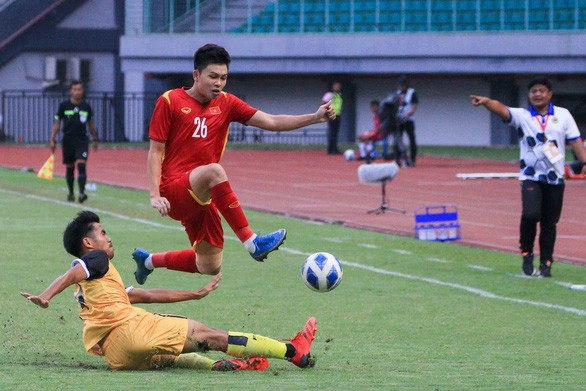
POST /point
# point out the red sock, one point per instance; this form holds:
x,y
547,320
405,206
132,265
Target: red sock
x,y
181,260
228,205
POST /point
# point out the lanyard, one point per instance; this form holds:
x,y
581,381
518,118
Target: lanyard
x,y
543,122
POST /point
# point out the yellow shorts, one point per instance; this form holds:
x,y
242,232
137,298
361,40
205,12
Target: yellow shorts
x,y
132,344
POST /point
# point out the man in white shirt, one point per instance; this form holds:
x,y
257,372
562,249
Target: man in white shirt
x,y
543,131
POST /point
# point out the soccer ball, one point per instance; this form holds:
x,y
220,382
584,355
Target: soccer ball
x,y
321,272
349,154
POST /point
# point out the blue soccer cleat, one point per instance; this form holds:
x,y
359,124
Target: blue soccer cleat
x,y
140,255
266,243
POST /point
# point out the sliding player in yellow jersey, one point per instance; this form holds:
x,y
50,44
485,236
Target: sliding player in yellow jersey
x,y
132,338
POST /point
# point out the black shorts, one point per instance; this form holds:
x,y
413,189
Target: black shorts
x,y
75,148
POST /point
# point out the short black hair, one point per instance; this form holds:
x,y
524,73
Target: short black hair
x,y
403,81
210,54
74,83
375,102
544,81
80,227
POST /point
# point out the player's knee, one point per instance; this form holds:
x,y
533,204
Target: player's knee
x,y
208,269
211,174
216,172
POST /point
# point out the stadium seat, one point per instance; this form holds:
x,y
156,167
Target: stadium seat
x,y
340,18
557,4
314,6
419,15
466,5
442,5
364,5
416,5
514,4
390,18
364,18
314,18
289,6
341,5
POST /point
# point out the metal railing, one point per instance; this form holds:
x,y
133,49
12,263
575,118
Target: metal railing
x,y
349,16
28,117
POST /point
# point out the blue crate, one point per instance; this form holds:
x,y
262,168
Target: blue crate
x,y
437,223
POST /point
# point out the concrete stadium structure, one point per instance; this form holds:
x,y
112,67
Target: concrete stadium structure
x,y
289,72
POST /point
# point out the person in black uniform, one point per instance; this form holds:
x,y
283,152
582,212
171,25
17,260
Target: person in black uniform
x,y
76,116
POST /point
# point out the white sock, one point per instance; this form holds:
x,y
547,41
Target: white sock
x,y
148,263
362,149
369,148
249,245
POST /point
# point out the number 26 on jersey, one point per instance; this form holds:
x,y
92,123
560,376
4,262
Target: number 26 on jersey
x,y
201,129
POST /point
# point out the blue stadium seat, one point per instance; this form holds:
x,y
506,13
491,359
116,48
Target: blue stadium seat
x,y
364,5
514,4
368,18
289,19
441,5
340,18
441,18
557,4
538,16
489,17
390,5
314,18
289,6
415,17
466,5
416,5
310,6
490,5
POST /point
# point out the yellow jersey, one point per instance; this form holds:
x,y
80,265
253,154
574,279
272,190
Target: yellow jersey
x,y
102,298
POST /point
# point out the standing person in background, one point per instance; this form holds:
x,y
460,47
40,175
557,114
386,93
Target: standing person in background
x,y
366,139
335,96
408,101
543,131
77,117
188,135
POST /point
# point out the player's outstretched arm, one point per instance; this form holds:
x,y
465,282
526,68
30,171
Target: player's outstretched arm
x,y
283,122
138,295
73,275
492,105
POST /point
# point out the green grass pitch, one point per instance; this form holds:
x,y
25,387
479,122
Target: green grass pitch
x,y
407,315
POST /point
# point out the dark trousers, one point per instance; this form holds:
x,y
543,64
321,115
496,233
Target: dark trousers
x,y
399,148
333,129
541,203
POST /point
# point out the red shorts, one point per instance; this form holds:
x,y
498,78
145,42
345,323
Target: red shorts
x,y
373,135
200,219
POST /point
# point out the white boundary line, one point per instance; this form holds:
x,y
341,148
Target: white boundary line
x,y
475,291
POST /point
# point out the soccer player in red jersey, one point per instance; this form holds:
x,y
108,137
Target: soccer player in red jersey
x,y
188,134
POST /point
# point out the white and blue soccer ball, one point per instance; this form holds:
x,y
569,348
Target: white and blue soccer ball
x,y
349,154
321,272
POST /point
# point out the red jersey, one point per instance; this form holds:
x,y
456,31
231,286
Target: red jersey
x,y
194,134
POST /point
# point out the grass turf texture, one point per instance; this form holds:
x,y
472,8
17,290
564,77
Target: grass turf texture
x,y
406,315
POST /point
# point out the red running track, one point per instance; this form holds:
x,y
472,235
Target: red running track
x,y
316,186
